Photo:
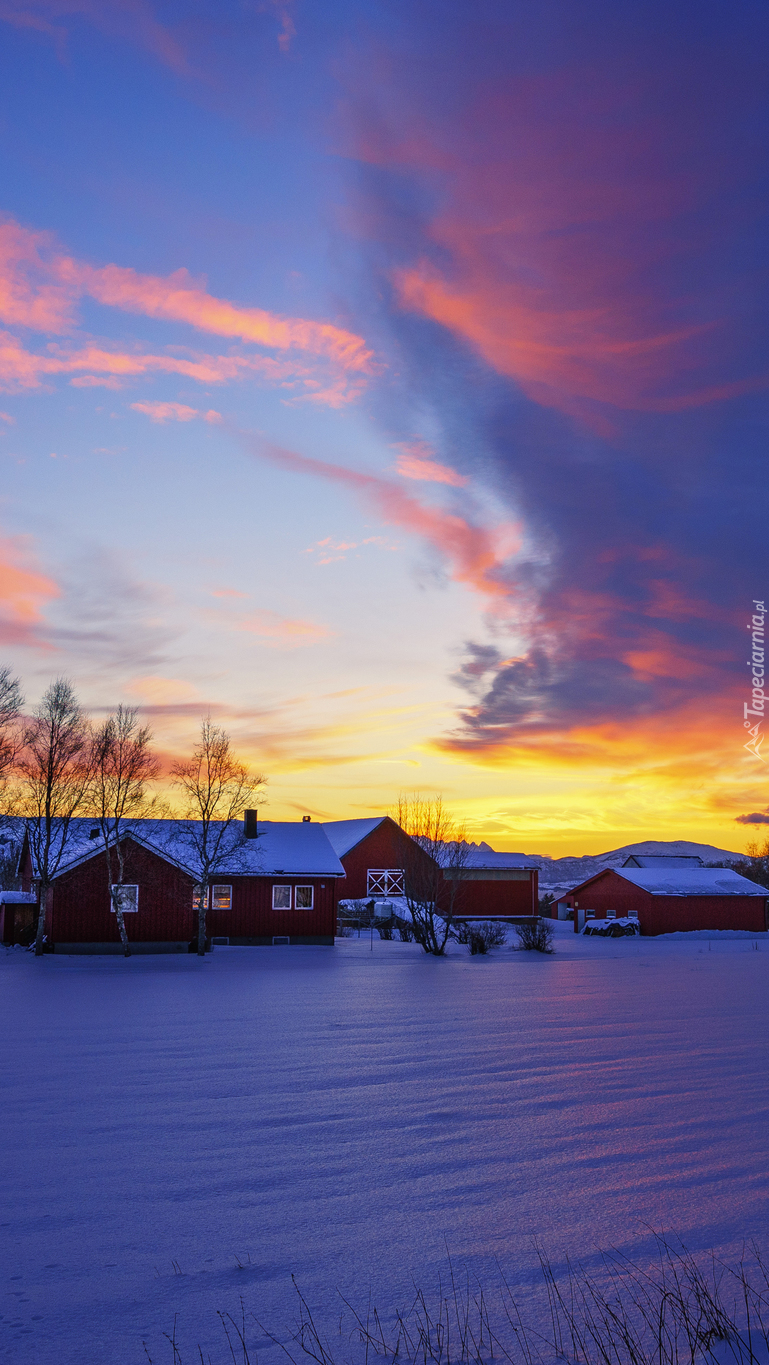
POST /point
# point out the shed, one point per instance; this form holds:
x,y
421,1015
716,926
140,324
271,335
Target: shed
x,y
666,900
498,886
17,917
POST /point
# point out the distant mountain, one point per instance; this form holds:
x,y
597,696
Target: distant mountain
x,y
560,874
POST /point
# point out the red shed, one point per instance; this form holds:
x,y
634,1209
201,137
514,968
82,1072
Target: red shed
x,y
671,899
278,886
498,886
376,852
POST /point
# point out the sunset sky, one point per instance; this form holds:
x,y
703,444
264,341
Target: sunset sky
x,y
389,378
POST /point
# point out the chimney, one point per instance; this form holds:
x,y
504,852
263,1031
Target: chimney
x,y
306,819
249,824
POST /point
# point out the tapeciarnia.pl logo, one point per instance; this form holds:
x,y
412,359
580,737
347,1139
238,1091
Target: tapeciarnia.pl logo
x,y
755,707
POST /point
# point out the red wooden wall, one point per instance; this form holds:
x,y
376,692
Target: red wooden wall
x,y
81,906
81,910
383,847
668,914
495,899
252,915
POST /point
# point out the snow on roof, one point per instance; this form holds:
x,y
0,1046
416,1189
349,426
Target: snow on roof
x,y
345,834
485,859
693,881
663,860
286,848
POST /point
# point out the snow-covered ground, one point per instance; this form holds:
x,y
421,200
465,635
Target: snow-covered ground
x,y
345,1114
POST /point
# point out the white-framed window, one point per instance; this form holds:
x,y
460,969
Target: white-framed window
x,y
384,881
281,897
127,897
199,898
303,897
221,897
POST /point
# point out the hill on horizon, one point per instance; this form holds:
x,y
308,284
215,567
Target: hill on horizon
x,y
574,868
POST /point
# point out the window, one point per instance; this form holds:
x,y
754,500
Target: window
x,y
386,881
127,897
199,899
281,897
303,898
221,897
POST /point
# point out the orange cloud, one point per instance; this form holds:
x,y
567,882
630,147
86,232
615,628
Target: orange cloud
x,y
416,462
176,412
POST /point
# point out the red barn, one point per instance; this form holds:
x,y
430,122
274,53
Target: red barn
x,y
666,900
279,886
376,853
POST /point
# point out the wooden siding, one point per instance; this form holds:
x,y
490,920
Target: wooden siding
x,y
252,915
494,899
668,914
81,911
384,847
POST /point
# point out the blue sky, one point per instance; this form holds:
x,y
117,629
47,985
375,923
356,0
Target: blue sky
x,y
441,464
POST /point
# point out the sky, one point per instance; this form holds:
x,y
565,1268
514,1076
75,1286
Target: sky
x,y
389,381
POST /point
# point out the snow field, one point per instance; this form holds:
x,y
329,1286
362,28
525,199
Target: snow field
x,y
346,1114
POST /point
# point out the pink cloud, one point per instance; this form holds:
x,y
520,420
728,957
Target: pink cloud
x,y
22,369
40,287
23,593
175,412
416,462
129,19
281,632
476,554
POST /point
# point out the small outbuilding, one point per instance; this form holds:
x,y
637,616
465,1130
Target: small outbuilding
x,y
498,886
668,899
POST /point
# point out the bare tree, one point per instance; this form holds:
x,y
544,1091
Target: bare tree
x,y
10,708
216,788
11,702
53,772
755,866
435,856
122,766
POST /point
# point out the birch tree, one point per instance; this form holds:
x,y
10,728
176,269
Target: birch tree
x,y
123,766
216,788
435,856
53,775
10,709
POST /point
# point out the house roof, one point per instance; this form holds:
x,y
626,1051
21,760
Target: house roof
x,y
693,881
345,834
480,859
282,848
663,860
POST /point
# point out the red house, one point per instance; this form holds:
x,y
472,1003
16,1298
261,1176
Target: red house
x,y
277,887
376,852
665,900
